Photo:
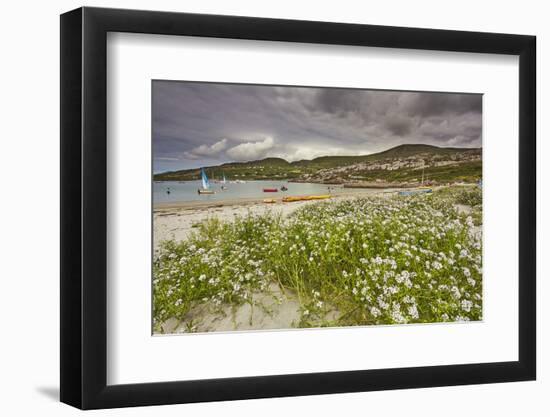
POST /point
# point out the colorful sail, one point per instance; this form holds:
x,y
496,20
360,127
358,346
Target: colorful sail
x,y
204,178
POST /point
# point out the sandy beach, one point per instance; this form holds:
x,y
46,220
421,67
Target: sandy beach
x,y
175,221
273,309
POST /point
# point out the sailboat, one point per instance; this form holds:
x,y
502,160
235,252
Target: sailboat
x,y
205,184
422,189
223,183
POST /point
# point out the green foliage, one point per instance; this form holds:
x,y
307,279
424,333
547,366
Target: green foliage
x,y
379,260
470,197
467,195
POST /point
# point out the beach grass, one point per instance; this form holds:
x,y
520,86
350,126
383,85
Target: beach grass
x,y
363,261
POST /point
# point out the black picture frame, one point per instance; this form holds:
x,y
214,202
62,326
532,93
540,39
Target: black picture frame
x,y
84,207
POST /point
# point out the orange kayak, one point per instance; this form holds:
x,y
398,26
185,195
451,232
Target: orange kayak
x,y
305,198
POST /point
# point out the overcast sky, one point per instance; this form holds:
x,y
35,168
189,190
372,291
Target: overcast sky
x,y
200,124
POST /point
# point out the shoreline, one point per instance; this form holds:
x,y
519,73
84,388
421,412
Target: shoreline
x,y
250,201
176,221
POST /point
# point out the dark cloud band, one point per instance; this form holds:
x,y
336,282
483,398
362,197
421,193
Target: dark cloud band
x,y
206,123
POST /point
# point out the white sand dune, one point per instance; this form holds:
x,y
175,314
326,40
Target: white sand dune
x,y
272,309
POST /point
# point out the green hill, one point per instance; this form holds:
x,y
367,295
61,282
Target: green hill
x,y
271,162
341,168
400,151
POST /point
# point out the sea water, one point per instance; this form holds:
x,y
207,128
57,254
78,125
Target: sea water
x,y
187,191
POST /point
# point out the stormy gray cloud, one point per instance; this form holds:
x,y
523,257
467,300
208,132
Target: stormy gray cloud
x,y
197,124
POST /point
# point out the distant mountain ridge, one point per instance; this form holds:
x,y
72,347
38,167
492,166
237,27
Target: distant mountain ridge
x,y
406,156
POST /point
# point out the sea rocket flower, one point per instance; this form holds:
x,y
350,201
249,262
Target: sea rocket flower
x,y
413,312
466,305
455,292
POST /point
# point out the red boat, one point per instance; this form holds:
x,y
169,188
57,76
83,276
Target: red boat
x,y
270,190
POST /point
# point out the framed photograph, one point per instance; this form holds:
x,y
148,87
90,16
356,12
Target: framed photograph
x,y
258,208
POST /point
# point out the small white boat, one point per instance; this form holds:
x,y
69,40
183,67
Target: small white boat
x,y
205,184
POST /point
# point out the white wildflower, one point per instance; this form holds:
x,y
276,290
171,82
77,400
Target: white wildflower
x,y
466,305
413,312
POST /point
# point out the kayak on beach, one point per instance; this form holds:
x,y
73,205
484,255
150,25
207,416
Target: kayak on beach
x,y
305,198
270,190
